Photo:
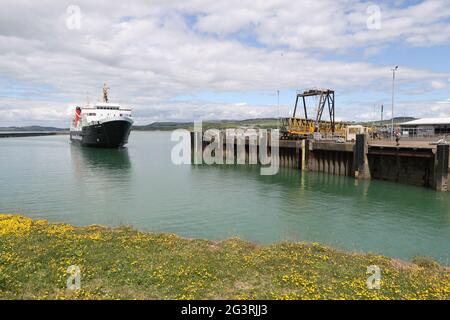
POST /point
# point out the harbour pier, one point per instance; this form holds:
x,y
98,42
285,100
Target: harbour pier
x,y
415,163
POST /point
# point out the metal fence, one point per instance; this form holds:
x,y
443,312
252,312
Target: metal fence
x,y
426,134
414,134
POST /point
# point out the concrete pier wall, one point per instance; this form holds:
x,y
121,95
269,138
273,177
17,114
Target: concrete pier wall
x,y
329,157
289,152
440,169
290,155
409,170
427,166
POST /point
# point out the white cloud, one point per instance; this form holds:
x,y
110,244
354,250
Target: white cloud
x,y
152,52
328,24
438,84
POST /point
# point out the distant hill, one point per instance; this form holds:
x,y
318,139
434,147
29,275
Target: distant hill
x,y
163,126
265,123
388,121
31,128
262,123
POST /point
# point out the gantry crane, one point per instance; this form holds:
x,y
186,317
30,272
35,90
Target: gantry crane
x,y
302,127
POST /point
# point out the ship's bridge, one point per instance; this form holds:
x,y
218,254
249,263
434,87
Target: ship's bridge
x,y
107,106
101,111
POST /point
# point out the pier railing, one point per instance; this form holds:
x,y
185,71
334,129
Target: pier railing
x,y
414,134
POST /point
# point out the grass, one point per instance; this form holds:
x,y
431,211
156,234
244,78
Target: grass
x,y
123,263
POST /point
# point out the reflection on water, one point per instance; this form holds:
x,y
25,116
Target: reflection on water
x,y
377,216
47,177
103,182
114,160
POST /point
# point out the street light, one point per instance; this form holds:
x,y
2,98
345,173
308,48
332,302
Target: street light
x,y
381,123
393,84
278,109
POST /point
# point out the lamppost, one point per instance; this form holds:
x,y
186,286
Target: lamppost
x,y
278,109
393,86
381,123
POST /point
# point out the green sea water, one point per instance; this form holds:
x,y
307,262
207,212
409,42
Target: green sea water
x,y
47,177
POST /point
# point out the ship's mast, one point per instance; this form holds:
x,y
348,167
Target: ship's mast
x,y
105,93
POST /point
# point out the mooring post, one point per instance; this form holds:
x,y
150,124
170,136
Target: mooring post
x,y
303,158
361,162
307,163
441,169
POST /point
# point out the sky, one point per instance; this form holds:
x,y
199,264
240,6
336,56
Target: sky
x,y
201,60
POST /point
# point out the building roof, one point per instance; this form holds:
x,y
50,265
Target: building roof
x,y
427,121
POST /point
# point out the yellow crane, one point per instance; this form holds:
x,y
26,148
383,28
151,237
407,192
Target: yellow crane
x,y
303,127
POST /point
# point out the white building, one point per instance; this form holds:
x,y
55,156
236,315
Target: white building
x,y
426,127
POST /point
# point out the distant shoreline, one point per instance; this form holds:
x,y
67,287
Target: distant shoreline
x,y
256,123
31,134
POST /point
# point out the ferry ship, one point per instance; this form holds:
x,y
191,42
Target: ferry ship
x,y
103,124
